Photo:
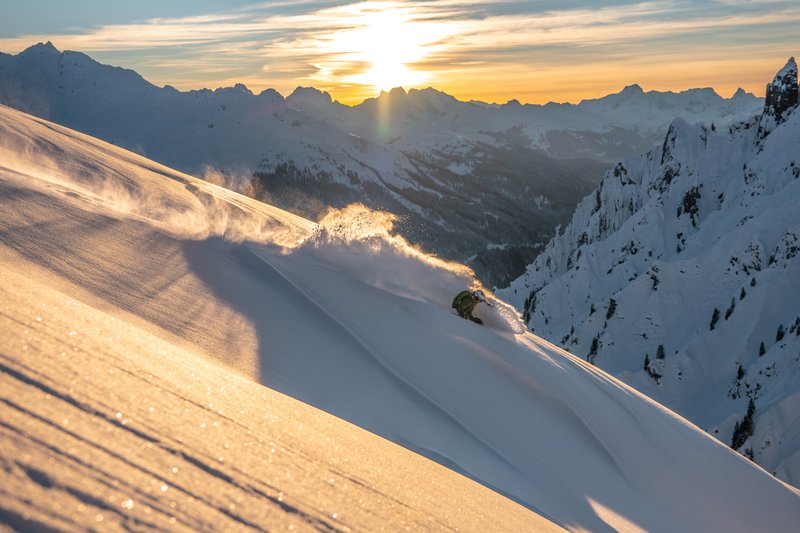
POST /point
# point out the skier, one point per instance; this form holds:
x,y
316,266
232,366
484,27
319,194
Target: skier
x,y
465,302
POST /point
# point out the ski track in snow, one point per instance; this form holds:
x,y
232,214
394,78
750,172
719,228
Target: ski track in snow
x,y
512,411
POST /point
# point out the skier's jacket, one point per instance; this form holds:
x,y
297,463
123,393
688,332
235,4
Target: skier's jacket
x,y
464,302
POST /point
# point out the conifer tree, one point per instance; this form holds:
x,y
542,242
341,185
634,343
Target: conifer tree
x,y
650,370
744,430
729,312
593,349
612,308
714,319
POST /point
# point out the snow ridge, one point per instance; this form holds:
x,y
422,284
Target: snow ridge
x,y
680,276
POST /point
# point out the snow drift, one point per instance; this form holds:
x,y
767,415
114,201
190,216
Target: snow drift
x,y
350,319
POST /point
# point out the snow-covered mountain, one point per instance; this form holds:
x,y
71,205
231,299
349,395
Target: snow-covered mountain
x,y
471,181
118,273
680,275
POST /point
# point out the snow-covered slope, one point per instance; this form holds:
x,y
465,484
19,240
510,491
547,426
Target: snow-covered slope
x,y
465,177
104,426
680,275
111,416
343,316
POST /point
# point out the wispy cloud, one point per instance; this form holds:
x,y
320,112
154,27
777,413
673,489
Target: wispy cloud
x,y
352,47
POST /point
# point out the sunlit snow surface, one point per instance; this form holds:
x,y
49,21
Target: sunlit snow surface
x,y
105,425
342,316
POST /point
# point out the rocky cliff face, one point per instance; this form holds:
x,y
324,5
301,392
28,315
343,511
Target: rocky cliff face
x,y
680,274
781,97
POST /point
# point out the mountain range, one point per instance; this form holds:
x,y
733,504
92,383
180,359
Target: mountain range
x,y
484,184
680,275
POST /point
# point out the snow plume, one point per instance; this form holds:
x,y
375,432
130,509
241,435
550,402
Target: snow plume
x,y
362,240
237,218
117,183
236,180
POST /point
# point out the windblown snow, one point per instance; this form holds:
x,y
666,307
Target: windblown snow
x,y
118,272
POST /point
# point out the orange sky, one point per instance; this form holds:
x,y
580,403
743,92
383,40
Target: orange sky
x,y
473,49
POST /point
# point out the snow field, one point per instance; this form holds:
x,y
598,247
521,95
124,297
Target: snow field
x,y
357,323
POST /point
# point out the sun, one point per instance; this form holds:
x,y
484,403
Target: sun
x,y
390,45
387,45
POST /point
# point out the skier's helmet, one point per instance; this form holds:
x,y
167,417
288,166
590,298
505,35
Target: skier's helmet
x,y
479,296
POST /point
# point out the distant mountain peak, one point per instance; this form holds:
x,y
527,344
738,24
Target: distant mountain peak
x,y
632,89
790,66
271,93
431,96
394,93
703,90
782,93
310,95
427,90
241,87
41,48
238,90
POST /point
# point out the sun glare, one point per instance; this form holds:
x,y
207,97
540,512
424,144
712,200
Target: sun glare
x,y
386,46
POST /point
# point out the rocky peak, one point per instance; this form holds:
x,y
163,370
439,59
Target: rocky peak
x,y
309,95
40,49
397,92
396,95
781,96
631,90
242,88
271,95
740,93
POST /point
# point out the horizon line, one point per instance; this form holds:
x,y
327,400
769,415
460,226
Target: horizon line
x,y
381,93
